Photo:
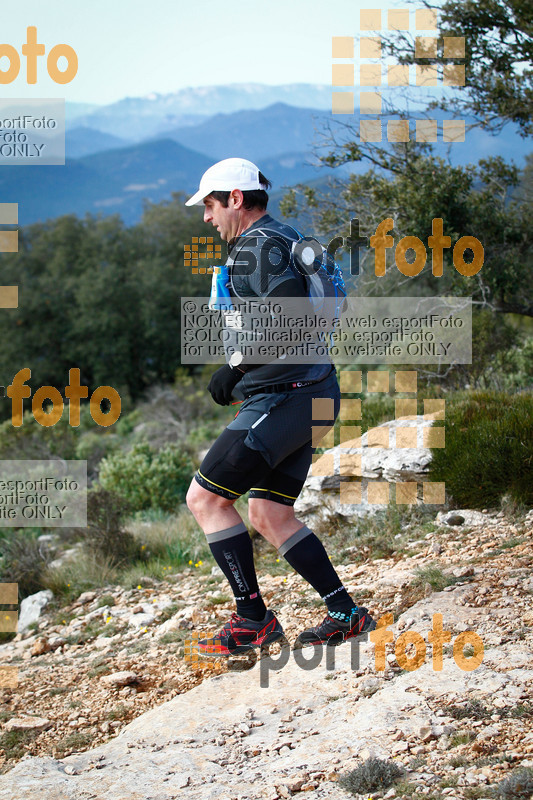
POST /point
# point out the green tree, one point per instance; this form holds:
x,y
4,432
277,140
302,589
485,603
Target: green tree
x,y
498,59
100,297
413,187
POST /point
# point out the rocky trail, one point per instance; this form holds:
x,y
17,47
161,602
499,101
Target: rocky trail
x,y
130,716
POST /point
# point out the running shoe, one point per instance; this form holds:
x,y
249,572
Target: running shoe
x,y
240,635
332,632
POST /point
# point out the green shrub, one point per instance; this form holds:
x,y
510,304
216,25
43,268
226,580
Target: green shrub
x,y
472,708
519,784
22,561
489,449
88,570
15,743
106,600
516,366
372,775
34,441
492,338
105,534
433,575
93,447
147,478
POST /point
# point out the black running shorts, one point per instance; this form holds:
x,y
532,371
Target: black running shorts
x,y
267,448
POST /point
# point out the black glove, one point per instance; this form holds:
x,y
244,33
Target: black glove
x,y
222,383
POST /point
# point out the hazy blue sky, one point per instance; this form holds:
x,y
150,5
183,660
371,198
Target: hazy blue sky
x,y
133,47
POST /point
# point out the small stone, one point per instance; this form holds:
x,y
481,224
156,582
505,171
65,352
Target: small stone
x,y
463,572
56,641
123,678
400,747
499,702
295,784
454,519
369,686
27,724
40,647
86,597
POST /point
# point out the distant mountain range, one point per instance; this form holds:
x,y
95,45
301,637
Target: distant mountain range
x,y
106,172
255,134
108,182
137,118
85,141
118,180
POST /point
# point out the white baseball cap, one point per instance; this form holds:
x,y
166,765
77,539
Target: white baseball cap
x,y
231,173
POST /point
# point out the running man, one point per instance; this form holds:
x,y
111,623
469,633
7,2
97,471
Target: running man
x,y
267,449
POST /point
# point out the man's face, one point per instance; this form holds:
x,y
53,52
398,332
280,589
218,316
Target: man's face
x,y
225,220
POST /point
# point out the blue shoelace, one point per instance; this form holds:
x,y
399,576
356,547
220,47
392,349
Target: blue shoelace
x,y
342,616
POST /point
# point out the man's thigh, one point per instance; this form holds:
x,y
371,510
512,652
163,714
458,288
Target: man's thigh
x,y
230,467
268,446
284,483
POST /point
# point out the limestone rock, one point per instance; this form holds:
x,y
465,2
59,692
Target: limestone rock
x,y
123,678
86,597
27,724
31,607
40,646
320,496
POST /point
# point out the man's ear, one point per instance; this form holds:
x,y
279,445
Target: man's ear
x,y
237,197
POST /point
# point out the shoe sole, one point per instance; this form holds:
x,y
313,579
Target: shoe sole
x,y
330,643
243,649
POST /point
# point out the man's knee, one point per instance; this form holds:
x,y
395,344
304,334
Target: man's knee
x,y
199,499
268,516
195,499
257,516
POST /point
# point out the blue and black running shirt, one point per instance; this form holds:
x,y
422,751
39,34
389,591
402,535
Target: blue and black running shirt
x,y
259,266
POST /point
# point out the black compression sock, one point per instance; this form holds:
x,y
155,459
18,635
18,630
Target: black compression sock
x,y
233,551
306,554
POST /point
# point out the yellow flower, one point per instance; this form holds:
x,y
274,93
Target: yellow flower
x,y
143,547
277,560
200,563
144,630
64,622
190,562
68,584
139,586
108,620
